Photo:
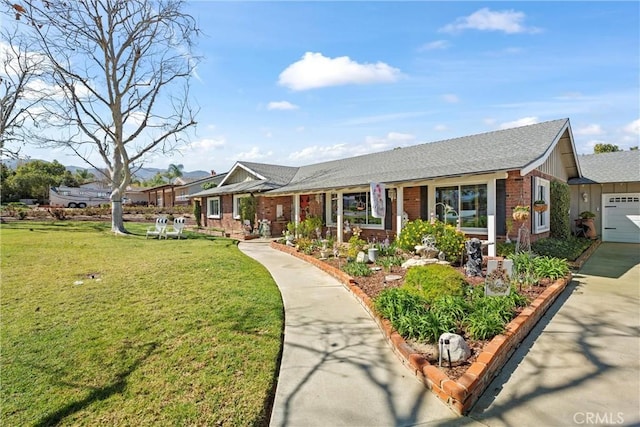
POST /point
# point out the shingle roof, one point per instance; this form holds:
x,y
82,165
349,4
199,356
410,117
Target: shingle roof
x,y
275,177
621,166
502,150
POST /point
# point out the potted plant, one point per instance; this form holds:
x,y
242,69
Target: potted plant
x,y
586,218
540,205
521,213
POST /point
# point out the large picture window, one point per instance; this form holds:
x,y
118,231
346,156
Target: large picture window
x,y
466,203
213,207
356,208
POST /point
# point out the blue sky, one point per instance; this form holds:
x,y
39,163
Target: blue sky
x,y
296,83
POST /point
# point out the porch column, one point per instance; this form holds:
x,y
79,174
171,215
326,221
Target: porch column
x,y
340,220
491,217
399,209
296,209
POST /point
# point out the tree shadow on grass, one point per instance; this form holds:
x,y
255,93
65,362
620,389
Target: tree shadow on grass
x,y
98,394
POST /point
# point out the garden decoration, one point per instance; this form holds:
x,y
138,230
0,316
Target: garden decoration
x,y
587,221
456,348
428,247
540,206
521,213
498,281
474,256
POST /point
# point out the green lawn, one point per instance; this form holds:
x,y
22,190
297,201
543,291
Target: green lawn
x,y
170,332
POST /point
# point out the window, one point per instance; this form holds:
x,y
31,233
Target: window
x,y
468,203
356,208
213,207
236,204
541,192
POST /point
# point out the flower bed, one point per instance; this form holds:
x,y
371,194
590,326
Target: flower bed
x,y
460,394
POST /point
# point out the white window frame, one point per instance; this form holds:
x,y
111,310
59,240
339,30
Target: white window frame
x,y
340,199
472,230
211,212
236,204
541,220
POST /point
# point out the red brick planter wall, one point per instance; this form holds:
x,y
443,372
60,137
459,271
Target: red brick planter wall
x,y
460,394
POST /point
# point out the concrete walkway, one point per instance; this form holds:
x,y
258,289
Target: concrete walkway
x,y
337,369
581,364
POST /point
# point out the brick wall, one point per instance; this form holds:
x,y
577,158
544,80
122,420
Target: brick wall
x,y
518,189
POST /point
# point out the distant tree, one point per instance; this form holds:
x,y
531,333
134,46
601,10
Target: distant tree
x,y
19,92
84,176
156,180
7,191
605,148
123,68
208,185
33,179
174,171
633,148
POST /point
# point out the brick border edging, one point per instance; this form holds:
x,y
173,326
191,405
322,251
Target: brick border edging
x,y
459,394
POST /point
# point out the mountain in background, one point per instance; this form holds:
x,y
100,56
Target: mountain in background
x,y
142,174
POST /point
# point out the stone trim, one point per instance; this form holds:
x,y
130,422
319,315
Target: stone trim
x,y
460,394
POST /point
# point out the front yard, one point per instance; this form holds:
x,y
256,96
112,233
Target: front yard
x,y
98,329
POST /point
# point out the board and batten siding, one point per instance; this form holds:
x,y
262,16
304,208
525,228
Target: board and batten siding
x,y
555,165
593,194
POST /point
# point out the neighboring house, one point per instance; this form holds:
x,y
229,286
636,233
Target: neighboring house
x,y
183,192
610,188
481,177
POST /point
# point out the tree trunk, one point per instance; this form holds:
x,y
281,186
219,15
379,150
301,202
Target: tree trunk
x,y
117,222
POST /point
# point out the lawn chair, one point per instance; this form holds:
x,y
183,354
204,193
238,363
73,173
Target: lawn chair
x,y
178,226
159,229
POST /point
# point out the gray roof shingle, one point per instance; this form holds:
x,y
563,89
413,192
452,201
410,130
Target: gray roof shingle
x,y
508,149
620,166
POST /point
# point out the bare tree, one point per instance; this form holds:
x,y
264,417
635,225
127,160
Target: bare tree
x,y
20,70
122,68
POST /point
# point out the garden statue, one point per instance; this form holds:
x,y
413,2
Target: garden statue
x,y
474,257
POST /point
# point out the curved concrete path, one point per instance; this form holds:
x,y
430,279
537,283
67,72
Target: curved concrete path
x,y
337,369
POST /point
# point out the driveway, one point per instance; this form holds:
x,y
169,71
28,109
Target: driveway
x,y
581,364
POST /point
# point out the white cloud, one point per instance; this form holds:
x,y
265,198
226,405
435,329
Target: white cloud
x,y
508,21
281,105
397,136
254,154
592,129
315,70
208,144
633,127
371,144
435,45
330,152
440,128
450,98
525,121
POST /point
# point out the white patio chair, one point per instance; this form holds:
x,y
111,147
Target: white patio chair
x,y
159,229
178,226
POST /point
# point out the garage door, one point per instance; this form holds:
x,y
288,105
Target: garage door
x,y
621,217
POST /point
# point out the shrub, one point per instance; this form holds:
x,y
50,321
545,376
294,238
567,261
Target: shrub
x,y
448,239
356,244
568,248
394,303
560,196
434,280
426,326
451,308
504,249
305,245
388,261
524,268
307,228
553,268
353,268
484,324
